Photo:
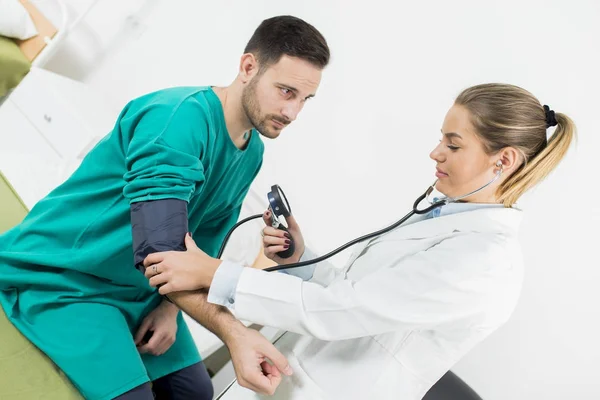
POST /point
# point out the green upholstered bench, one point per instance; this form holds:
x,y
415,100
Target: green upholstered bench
x,y
25,372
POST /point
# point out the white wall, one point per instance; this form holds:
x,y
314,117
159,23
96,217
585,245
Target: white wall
x,y
364,140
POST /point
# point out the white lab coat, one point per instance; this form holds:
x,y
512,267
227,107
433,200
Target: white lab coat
x,y
406,307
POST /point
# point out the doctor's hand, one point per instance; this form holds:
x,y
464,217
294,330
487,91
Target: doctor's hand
x,y
161,326
175,271
275,240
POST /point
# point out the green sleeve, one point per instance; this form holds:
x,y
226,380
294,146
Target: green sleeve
x,y
164,154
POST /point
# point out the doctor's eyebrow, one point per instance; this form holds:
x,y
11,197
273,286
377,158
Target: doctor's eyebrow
x,y
451,135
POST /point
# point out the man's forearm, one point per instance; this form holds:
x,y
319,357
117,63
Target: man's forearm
x,y
215,318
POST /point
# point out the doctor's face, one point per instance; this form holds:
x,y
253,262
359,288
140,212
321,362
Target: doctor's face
x,y
275,97
462,165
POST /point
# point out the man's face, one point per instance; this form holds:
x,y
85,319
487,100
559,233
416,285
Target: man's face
x,y
273,99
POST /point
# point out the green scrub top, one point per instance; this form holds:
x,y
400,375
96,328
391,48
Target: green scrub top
x,y
67,279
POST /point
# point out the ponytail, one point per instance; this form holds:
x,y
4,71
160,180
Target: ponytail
x,y
539,167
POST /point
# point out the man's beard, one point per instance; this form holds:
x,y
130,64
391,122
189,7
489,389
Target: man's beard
x,y
253,112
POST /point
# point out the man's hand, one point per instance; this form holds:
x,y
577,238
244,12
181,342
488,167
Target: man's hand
x,y
176,271
162,324
249,353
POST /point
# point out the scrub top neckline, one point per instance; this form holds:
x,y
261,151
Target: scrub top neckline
x,y
221,115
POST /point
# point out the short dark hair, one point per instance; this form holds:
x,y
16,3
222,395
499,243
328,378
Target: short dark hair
x,y
290,36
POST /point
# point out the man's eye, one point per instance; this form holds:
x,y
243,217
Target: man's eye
x,y
285,91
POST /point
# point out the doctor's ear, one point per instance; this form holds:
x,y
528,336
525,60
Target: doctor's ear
x,y
509,159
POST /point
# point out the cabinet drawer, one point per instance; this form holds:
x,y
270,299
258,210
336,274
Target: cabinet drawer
x,y
50,111
27,161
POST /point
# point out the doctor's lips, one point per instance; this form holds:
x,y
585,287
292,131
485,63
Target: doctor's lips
x,y
440,174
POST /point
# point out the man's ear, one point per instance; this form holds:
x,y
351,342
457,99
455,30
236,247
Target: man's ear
x,y
248,67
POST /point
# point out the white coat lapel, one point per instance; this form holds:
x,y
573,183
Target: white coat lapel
x,y
499,220
492,220
360,247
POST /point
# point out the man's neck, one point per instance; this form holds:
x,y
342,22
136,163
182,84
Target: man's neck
x,y
235,118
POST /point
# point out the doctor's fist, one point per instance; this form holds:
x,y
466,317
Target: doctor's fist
x,y
277,240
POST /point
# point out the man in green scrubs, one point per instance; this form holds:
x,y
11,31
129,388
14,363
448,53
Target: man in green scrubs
x,y
68,277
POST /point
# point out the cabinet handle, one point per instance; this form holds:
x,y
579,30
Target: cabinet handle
x,y
47,118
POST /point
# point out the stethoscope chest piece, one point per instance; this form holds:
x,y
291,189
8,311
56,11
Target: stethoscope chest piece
x,y
280,207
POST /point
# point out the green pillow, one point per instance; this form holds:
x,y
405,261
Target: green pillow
x,y
13,65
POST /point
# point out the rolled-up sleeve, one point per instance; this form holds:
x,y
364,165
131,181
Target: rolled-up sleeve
x,y
305,273
164,155
224,284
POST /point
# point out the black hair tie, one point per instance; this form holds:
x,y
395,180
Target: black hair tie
x,y
550,117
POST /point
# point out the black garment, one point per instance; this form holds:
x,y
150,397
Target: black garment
x,y
191,383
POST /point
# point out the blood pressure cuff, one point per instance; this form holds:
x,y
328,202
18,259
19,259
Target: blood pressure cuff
x,y
158,225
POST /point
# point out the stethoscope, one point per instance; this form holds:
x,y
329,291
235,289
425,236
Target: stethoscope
x,y
280,207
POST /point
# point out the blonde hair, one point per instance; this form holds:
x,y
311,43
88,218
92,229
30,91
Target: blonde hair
x,y
509,116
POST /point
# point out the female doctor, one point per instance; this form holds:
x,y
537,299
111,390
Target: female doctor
x,y
409,304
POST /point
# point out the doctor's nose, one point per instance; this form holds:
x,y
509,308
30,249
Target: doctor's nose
x,y
437,155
